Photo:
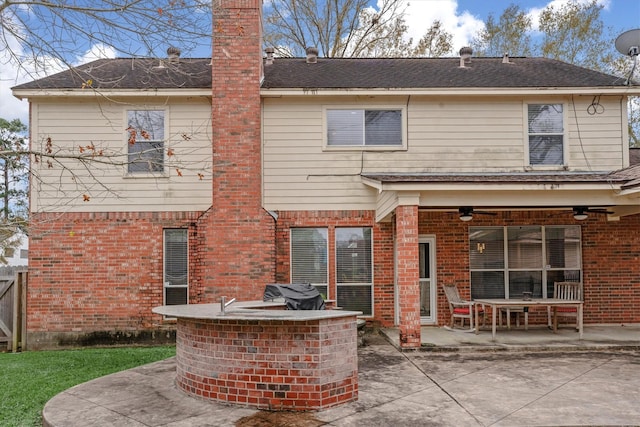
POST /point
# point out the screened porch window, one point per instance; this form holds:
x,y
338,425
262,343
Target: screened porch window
x,y
354,269
364,127
507,261
309,253
176,277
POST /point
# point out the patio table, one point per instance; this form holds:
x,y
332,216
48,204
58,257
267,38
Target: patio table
x,y
497,303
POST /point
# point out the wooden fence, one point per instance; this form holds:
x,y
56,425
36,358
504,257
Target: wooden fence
x,y
13,306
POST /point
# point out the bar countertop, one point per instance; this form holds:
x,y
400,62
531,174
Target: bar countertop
x,y
249,310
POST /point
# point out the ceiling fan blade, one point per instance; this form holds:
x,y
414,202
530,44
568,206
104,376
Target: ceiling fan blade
x,y
600,211
485,213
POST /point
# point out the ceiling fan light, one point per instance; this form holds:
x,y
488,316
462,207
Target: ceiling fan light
x,y
466,213
580,214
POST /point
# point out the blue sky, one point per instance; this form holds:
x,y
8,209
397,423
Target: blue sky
x,y
463,18
620,14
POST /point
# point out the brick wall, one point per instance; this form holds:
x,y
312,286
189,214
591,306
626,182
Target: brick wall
x,y
383,289
237,257
610,252
611,263
610,259
96,275
269,364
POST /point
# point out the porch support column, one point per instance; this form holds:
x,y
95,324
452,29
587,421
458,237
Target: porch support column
x,y
408,275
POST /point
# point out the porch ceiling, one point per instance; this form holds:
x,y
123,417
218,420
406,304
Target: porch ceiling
x,y
617,191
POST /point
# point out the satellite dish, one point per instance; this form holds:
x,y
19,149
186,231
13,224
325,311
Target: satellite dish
x,y
628,43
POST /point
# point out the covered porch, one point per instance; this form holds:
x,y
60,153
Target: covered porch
x,y
539,227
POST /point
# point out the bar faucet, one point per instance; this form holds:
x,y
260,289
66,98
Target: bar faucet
x,y
224,304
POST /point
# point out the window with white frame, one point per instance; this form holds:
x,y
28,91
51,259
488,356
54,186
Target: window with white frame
x,y
176,274
364,128
309,254
506,261
145,141
546,134
354,269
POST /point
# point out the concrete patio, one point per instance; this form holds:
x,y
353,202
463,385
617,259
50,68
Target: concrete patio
x,y
536,338
524,378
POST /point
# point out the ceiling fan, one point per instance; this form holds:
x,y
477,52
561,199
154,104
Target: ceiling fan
x,y
580,212
466,213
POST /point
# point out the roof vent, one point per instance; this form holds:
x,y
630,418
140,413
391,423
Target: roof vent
x,y
312,55
465,55
173,54
269,51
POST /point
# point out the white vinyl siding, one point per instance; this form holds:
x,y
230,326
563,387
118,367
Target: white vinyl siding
x,y
80,123
444,135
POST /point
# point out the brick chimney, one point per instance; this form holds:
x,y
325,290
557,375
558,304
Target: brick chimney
x,y
237,257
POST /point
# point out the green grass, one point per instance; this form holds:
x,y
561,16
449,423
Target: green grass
x,y
30,379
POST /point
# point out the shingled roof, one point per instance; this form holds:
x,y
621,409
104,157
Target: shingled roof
x,y
130,73
368,73
335,73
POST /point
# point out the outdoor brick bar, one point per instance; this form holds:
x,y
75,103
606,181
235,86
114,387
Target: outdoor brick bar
x,y
260,355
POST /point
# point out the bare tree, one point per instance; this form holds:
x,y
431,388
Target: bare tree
x,y
14,164
574,33
510,34
40,34
14,167
435,42
348,28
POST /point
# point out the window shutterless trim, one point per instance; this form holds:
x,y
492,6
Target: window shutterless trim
x,y
364,147
148,173
526,135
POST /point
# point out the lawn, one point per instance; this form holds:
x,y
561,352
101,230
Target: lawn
x,y
30,379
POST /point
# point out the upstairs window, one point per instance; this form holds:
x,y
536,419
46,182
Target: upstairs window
x,y
145,132
364,128
546,134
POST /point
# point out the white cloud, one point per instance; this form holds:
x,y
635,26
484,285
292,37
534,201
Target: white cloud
x,y
97,51
461,24
13,74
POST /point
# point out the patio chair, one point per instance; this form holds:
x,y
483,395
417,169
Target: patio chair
x,y
568,291
461,309
508,311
